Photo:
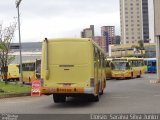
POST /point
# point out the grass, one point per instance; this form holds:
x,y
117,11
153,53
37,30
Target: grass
x,y
14,88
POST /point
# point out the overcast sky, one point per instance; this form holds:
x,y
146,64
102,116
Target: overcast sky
x,y
59,18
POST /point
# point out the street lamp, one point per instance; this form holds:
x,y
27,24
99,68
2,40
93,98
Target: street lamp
x,y
20,46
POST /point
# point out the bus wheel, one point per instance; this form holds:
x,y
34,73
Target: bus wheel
x,y
139,74
101,93
59,98
131,75
93,98
96,98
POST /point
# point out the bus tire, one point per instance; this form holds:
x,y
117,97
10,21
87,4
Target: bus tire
x,y
93,98
59,98
101,93
139,74
96,98
131,75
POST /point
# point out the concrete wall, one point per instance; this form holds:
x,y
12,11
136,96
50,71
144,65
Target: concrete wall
x,y
157,17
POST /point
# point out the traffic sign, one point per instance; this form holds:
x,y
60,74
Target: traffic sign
x,y
36,88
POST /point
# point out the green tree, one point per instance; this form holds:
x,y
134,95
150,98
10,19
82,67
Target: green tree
x,y
6,36
139,47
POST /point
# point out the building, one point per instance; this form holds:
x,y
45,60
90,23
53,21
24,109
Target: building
x,y
151,21
101,42
134,21
157,34
117,39
145,25
30,51
127,50
88,32
108,33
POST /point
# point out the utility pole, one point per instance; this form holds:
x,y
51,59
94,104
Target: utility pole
x,y
20,45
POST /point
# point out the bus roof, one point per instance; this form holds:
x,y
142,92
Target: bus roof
x,y
78,40
32,61
150,58
126,59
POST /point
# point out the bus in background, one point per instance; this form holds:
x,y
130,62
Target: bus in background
x,y
127,67
12,72
151,65
72,67
31,71
108,68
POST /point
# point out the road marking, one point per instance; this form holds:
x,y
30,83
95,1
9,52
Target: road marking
x,y
121,97
153,81
157,95
18,102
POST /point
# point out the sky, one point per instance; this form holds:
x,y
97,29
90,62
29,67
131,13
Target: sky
x,y
59,18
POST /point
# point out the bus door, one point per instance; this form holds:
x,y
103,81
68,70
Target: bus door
x,y
134,68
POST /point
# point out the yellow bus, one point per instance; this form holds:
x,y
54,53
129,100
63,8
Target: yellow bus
x,y
108,68
31,71
72,67
127,67
12,72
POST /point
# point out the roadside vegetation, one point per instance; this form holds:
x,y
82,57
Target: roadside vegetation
x,y
12,88
6,37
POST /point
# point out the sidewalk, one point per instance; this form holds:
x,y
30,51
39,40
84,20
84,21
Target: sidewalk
x,y
14,95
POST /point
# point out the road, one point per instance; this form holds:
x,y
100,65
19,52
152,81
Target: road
x,y
121,96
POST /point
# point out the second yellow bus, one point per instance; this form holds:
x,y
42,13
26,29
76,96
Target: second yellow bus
x,y
127,67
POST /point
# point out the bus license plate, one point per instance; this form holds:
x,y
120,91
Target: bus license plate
x,y
64,90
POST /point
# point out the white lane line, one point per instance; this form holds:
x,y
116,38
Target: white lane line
x,y
121,97
153,81
18,102
157,95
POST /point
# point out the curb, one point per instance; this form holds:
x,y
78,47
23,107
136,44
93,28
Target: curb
x,y
14,95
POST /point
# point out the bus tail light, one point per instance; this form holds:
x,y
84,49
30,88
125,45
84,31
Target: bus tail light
x,y
92,82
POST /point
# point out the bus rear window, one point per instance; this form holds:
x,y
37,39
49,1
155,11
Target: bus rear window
x,y
28,67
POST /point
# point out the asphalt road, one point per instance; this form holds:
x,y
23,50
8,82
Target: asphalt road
x,y
121,96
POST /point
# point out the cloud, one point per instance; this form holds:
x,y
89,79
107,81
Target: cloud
x,y
61,18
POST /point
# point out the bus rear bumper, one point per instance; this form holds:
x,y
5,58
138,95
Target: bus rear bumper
x,y
127,75
89,90
73,90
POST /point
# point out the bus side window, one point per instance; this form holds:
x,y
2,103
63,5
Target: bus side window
x,y
133,64
103,61
154,63
99,59
128,66
95,57
112,66
130,63
149,63
95,52
145,62
107,64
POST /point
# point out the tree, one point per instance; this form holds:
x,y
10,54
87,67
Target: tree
x,y
139,47
6,35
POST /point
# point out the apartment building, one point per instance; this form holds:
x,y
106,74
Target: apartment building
x,y
134,21
108,33
88,32
101,42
